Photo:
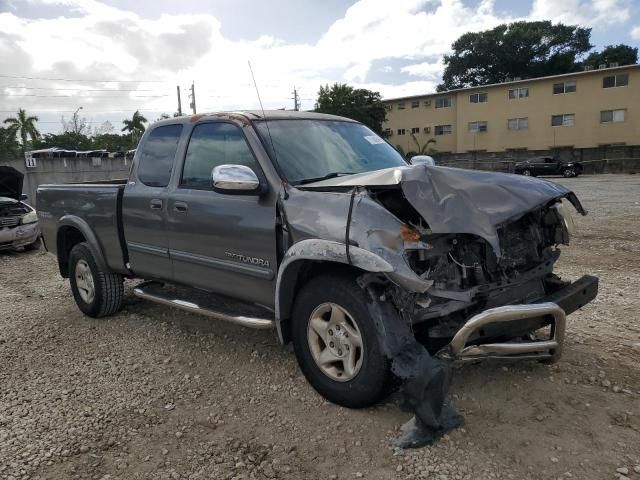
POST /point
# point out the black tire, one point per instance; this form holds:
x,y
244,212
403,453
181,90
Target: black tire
x,y
569,172
370,383
108,287
33,246
526,172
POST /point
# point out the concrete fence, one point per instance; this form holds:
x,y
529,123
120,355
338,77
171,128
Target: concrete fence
x,y
68,170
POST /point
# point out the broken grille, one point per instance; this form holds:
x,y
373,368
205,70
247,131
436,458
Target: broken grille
x,y
9,221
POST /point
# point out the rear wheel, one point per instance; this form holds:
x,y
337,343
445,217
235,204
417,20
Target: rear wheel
x,y
96,293
526,172
336,344
569,172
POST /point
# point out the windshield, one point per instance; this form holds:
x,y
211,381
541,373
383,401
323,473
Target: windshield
x,y
307,150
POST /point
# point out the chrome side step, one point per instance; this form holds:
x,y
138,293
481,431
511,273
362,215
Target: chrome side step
x,y
202,303
539,349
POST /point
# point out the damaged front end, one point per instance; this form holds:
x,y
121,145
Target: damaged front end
x,y
458,266
463,243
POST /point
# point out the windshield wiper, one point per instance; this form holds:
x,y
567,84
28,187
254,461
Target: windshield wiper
x,y
324,177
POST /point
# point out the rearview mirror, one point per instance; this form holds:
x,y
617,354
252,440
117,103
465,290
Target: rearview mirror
x,y
422,160
24,196
235,179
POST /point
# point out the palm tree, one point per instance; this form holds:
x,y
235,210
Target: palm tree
x,y
135,126
23,126
423,149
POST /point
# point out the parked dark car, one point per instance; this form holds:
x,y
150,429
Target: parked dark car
x,y
537,166
18,221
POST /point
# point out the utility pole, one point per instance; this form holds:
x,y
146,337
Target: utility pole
x,y
296,100
179,101
192,96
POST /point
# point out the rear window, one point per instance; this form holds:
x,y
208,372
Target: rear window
x,y
157,154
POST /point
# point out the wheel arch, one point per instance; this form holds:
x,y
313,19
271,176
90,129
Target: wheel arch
x,y
309,258
71,231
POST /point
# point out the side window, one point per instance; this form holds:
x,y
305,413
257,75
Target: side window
x,y
214,144
157,155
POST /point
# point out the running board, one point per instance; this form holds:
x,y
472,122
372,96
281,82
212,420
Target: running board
x,y
204,303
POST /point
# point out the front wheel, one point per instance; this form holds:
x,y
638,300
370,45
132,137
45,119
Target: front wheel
x,y
526,172
96,293
336,343
569,172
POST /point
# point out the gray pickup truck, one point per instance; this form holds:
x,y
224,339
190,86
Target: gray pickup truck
x,y
314,226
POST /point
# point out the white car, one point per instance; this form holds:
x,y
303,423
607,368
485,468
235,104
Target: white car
x,y
18,221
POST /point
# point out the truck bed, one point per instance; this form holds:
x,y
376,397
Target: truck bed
x,y
97,206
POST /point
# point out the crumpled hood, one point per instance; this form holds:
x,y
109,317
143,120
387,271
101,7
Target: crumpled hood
x,y
10,182
453,200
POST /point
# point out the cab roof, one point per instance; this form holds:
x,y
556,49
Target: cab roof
x,y
248,116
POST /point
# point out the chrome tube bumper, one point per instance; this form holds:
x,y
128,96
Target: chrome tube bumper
x,y
540,349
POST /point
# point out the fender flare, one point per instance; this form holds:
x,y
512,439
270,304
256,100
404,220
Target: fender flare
x,y
317,250
92,241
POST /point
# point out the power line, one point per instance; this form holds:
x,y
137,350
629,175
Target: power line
x,y
81,89
83,80
74,96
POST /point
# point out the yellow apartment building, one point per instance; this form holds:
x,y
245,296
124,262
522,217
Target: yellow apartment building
x,y
587,109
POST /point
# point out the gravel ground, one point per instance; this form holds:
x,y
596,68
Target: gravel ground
x,y
158,393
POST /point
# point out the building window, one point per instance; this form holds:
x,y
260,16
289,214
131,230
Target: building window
x,y
387,132
415,130
609,116
401,131
401,106
478,126
442,129
563,120
388,107
520,92
564,87
415,104
518,123
478,98
443,102
620,80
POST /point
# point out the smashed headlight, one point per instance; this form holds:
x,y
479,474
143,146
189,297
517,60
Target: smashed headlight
x,y
564,212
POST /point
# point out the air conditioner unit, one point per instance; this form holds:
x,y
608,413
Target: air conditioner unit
x,y
515,79
588,67
427,103
614,64
388,133
427,129
601,66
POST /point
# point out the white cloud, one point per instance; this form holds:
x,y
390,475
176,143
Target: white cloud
x,y
99,41
592,13
635,33
425,69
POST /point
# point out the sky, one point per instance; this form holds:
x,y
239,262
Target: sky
x,y
112,57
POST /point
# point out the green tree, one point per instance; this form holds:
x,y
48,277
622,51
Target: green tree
x,y
9,146
424,149
519,49
66,140
24,127
135,127
112,142
356,103
620,54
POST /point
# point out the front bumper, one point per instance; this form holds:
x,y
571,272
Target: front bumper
x,y
552,311
15,237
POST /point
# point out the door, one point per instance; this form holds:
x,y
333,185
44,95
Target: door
x,y
144,204
221,242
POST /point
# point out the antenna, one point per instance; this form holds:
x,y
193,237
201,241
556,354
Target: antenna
x,y
275,155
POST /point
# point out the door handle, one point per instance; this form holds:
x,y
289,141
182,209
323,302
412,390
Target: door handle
x,y
155,204
180,207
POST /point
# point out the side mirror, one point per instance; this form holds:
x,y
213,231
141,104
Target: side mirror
x,y
422,160
238,179
24,196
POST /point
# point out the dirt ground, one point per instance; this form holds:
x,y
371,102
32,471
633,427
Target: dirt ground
x,y
157,393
